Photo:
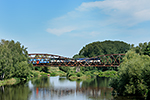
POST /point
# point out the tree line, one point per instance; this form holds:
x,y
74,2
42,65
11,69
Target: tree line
x,y
102,48
111,47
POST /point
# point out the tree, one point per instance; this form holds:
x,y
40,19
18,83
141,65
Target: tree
x,y
147,50
133,75
6,62
21,69
13,60
102,48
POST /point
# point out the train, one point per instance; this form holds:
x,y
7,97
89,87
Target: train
x,y
62,60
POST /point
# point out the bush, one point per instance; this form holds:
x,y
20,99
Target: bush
x,y
53,74
36,74
45,74
42,69
38,68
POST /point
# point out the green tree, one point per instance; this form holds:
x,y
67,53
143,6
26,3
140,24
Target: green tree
x,y
133,75
13,60
78,56
102,48
21,69
6,66
147,50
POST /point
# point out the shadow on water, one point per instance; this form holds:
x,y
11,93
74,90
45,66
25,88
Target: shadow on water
x,y
60,88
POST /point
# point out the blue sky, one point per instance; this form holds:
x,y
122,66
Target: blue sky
x,y
63,27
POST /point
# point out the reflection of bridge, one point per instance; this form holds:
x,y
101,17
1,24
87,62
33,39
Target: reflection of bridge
x,y
91,92
109,60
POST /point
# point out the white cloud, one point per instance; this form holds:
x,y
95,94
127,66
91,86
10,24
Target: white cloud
x,y
129,11
60,31
143,15
99,17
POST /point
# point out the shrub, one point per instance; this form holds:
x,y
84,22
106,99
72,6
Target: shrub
x,y
43,74
38,68
53,74
35,74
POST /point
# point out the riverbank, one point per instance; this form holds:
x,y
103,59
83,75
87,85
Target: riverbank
x,y
85,74
55,71
69,72
11,81
109,73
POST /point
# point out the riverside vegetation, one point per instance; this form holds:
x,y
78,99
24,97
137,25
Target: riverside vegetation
x,y
132,77
13,61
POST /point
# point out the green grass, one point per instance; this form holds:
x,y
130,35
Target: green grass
x,y
55,71
108,74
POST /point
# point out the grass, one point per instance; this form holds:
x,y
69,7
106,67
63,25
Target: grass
x,y
109,73
11,81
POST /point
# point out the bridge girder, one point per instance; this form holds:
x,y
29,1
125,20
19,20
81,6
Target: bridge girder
x,y
109,60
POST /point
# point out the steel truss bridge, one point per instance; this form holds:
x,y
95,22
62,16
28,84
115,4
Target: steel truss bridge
x,y
109,60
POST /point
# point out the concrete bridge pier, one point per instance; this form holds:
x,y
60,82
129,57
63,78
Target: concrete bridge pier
x,y
77,69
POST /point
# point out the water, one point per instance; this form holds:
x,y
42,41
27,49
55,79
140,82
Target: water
x,y
59,88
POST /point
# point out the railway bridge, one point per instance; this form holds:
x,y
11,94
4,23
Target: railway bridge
x,y
109,60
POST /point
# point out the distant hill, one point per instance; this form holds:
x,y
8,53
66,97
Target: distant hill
x,y
102,48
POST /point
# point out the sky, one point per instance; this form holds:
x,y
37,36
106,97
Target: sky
x,y
63,27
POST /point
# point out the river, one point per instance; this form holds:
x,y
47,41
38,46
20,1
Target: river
x,y
59,88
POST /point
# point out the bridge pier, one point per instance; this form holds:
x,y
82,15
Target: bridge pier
x,y
77,69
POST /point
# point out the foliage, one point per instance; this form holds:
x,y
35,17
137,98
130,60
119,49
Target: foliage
x,y
107,73
88,68
55,71
65,69
79,74
83,74
42,69
147,50
21,70
133,75
34,73
102,48
13,60
53,74
142,48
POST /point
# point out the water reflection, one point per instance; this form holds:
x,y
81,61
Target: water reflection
x,y
61,88
58,88
18,92
97,88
